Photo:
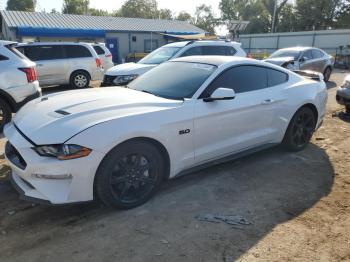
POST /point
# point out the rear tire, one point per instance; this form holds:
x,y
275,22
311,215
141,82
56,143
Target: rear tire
x,y
300,130
80,79
130,174
5,113
327,74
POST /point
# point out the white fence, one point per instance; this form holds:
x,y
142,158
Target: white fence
x,y
328,40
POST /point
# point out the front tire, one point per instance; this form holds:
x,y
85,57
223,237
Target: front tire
x,y
300,130
80,79
130,174
327,74
5,113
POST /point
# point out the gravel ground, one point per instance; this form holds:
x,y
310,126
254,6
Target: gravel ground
x,y
294,206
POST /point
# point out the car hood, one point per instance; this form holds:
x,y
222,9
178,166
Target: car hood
x,y
129,69
279,60
56,118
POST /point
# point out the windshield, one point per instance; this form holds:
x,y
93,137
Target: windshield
x,y
173,80
159,55
286,53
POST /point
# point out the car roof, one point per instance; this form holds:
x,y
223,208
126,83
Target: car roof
x,y
3,42
202,42
211,60
297,48
54,43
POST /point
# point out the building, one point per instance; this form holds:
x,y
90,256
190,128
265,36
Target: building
x,y
121,35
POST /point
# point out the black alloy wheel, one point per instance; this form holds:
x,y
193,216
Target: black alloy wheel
x,y
300,129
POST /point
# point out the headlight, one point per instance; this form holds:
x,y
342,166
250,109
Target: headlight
x,y
123,80
62,152
346,84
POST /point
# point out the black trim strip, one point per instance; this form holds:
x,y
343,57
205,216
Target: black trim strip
x,y
19,131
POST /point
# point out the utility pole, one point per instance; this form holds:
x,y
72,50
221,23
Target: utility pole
x,y
274,17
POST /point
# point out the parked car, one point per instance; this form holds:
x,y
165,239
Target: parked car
x,y
105,55
18,81
343,94
120,143
303,58
123,74
60,63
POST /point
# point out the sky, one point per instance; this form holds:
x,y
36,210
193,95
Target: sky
x,y
110,5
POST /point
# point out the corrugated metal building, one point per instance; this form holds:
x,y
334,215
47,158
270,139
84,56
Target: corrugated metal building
x,y
121,35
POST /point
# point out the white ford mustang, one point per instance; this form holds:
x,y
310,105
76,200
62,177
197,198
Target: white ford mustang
x,y
119,143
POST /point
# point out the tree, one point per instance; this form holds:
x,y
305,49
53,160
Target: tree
x,y
317,14
54,11
270,8
247,10
287,19
21,5
78,7
139,9
204,18
184,16
343,18
98,12
166,14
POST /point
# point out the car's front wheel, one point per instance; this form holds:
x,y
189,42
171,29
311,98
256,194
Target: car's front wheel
x,y
130,174
80,79
300,129
327,74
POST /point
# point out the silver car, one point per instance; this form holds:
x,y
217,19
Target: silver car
x,y
303,58
60,63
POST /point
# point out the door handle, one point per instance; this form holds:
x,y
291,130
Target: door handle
x,y
39,64
267,102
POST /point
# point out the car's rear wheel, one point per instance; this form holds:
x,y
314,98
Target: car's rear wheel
x,y
327,74
130,174
5,114
80,79
300,129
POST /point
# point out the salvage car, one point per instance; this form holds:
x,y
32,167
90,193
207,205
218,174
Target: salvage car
x,y
18,81
343,94
123,74
303,58
120,143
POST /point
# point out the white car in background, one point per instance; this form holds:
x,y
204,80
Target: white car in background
x,y
18,81
104,54
123,74
120,143
64,63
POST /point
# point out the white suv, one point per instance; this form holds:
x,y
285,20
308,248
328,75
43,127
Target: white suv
x,y
18,81
123,74
64,63
105,55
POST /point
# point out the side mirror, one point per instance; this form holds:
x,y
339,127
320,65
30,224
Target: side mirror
x,y
221,94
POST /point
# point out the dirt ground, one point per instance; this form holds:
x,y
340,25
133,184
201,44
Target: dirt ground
x,y
296,205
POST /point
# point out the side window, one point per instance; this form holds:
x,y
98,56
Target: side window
x,y
230,51
76,51
241,79
193,51
308,54
317,53
2,58
276,77
99,50
43,52
213,50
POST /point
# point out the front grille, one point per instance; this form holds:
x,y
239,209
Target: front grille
x,y
14,156
108,80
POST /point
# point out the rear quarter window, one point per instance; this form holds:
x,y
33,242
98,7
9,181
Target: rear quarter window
x,y
76,51
276,77
3,58
99,50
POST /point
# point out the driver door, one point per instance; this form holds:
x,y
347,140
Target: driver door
x,y
307,63
225,127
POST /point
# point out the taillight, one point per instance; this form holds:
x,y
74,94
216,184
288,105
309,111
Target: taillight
x,y
98,62
30,73
109,55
